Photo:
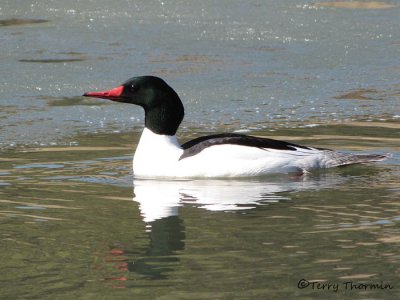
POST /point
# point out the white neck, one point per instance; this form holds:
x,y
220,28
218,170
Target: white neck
x,y
155,152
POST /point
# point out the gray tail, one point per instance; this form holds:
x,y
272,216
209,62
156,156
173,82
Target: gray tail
x,y
346,159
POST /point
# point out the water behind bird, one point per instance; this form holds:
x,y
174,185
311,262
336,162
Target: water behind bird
x,y
243,65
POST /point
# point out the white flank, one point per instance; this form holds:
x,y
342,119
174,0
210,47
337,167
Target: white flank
x,y
157,156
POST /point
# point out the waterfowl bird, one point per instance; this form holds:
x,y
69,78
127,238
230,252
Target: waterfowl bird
x,y
159,154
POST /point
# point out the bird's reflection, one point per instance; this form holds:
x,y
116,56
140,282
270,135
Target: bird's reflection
x,y
167,236
160,200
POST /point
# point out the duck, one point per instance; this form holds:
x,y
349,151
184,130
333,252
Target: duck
x,y
221,155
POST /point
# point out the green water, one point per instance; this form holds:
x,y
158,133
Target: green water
x,y
71,230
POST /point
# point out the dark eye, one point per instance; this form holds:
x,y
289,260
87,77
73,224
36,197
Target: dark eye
x,y
133,88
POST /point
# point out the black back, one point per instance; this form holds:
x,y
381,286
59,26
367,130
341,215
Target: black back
x,y
197,145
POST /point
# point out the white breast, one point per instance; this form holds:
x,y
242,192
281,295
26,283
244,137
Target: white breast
x,y
156,155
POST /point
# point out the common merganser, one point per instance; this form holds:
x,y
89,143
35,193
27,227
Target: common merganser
x,y
159,154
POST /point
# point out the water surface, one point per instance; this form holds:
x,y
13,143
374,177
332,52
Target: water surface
x,y
74,226
249,65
